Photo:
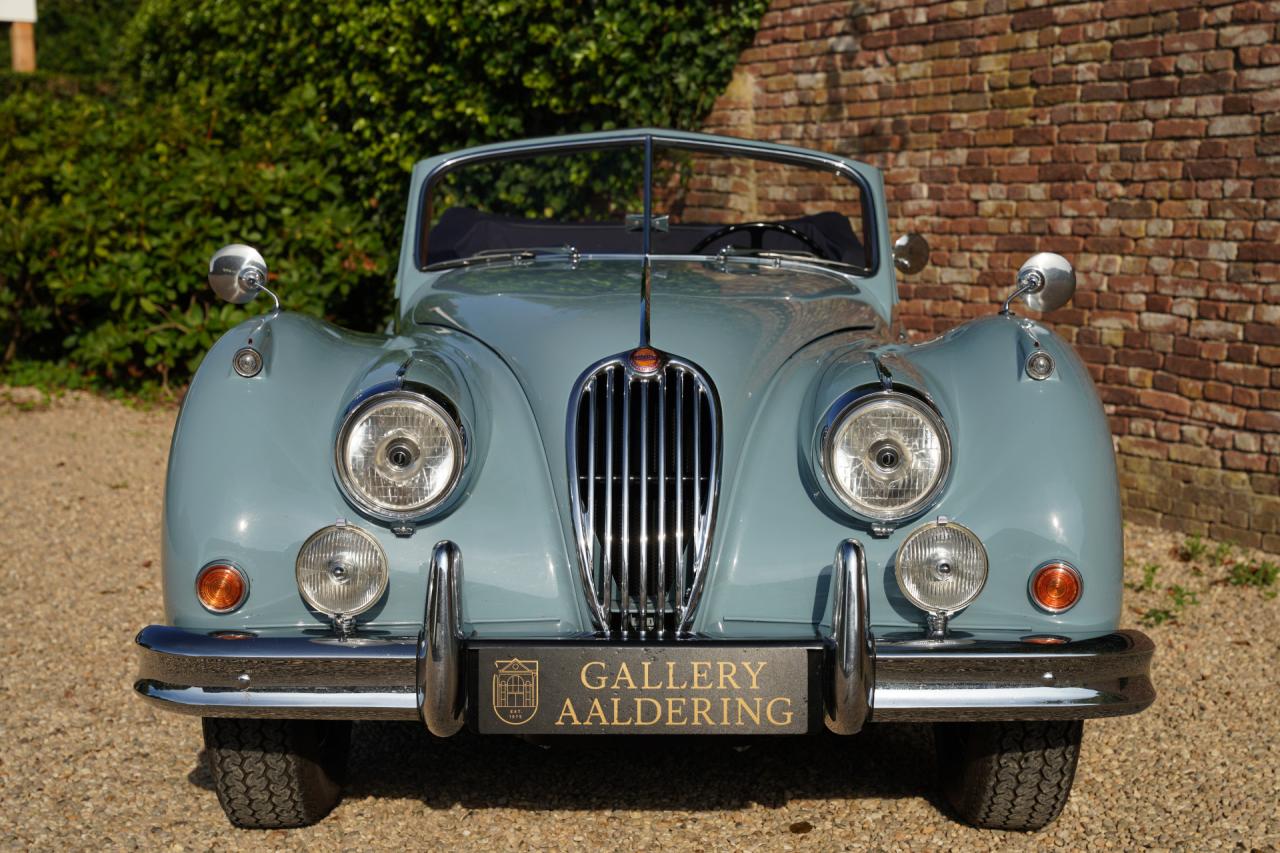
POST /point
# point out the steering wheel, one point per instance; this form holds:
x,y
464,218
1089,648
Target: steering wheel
x,y
757,229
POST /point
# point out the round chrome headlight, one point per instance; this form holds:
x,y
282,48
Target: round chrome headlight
x,y
886,455
941,567
341,570
399,455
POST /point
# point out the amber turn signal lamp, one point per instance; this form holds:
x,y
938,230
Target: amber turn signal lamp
x,y
221,587
1056,586
644,360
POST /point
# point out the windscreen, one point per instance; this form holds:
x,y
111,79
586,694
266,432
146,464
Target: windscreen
x,y
589,200
703,202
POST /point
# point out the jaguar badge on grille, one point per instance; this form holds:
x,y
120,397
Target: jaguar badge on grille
x,y
645,360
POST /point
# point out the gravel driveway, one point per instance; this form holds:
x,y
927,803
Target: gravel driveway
x,y
85,764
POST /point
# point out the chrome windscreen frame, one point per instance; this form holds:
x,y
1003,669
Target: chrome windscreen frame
x,y
649,139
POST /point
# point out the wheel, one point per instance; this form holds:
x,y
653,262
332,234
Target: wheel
x,y
273,774
1008,775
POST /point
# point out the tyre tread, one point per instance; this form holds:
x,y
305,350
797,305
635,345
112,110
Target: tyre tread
x,y
1009,775
272,774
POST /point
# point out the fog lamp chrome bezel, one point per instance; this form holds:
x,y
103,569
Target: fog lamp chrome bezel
x,y
863,398
922,605
343,475
381,589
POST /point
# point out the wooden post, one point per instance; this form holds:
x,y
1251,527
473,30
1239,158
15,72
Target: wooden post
x,y
22,45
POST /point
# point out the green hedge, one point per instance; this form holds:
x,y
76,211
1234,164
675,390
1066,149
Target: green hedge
x,y
110,207
291,125
400,81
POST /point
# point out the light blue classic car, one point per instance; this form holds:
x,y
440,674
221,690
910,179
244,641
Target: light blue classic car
x,y
646,384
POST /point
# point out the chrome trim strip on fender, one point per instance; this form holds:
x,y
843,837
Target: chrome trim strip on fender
x,y
282,704
440,687
851,679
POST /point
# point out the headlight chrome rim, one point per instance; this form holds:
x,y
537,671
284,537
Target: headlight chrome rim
x,y
345,477
381,589
856,400
923,529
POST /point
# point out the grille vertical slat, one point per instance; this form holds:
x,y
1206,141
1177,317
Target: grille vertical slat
x,y
642,533
681,566
661,590
608,510
592,415
624,585
697,462
644,522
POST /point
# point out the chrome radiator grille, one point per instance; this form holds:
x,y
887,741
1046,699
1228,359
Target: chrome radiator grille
x,y
644,459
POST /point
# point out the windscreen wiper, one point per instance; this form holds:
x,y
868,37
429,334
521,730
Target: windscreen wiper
x,y
491,256
744,253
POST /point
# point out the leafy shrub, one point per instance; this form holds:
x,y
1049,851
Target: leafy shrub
x,y
111,205
290,125
400,81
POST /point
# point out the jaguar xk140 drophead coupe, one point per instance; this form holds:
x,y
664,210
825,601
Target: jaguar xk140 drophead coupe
x,y
644,382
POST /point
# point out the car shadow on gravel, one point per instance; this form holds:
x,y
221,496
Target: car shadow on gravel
x,y
653,773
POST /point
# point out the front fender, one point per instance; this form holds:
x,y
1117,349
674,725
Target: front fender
x,y
1033,475
251,477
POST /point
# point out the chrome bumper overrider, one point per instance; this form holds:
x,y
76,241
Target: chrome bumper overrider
x,y
317,675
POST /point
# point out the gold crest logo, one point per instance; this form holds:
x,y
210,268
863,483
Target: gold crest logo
x,y
515,690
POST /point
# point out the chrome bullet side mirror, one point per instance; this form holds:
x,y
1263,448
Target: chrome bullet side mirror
x,y
1046,282
910,253
237,272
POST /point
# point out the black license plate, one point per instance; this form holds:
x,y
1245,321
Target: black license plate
x,y
677,689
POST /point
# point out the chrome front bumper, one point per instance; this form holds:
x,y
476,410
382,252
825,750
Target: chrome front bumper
x,y
315,675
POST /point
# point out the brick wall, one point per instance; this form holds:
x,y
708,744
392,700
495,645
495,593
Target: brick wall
x,y
1140,138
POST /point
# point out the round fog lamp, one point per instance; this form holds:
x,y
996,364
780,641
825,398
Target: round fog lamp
x,y
221,587
341,570
1056,586
941,567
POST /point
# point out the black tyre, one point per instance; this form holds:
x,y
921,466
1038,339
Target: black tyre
x,y
1008,775
275,774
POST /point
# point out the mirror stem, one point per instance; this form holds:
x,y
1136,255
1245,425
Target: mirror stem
x,y
255,279
1028,283
275,299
